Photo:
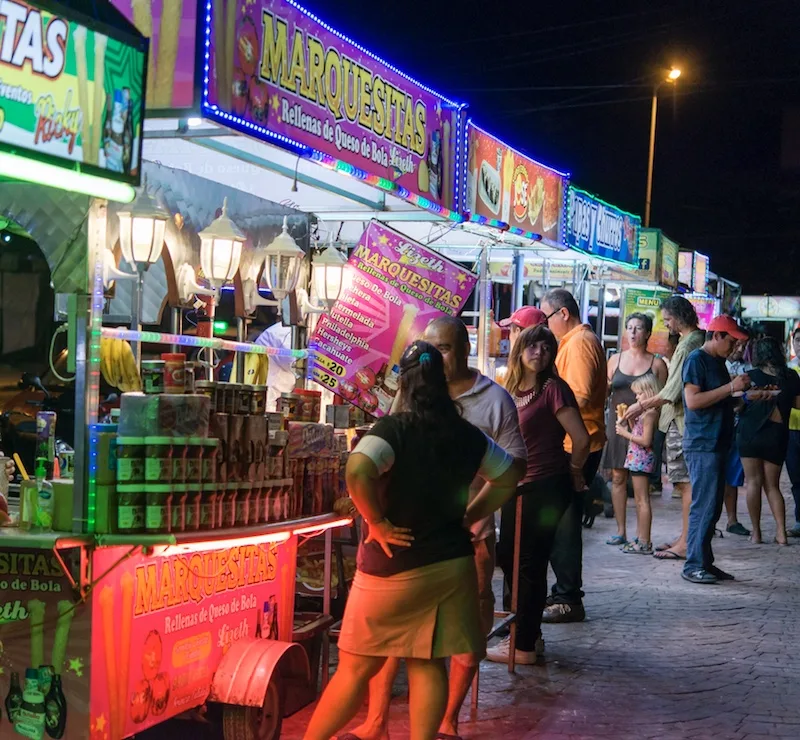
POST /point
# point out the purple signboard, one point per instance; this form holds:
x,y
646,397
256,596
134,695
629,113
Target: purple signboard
x,y
278,73
172,27
393,287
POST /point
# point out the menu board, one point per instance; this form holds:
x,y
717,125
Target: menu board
x,y
669,262
70,95
506,185
648,255
597,228
700,273
392,288
686,268
171,26
647,302
281,75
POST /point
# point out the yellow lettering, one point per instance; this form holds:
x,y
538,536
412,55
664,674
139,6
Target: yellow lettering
x,y
378,106
274,50
397,101
420,120
350,72
394,269
146,589
297,73
384,264
408,123
334,83
365,114
196,571
316,71
181,576
165,587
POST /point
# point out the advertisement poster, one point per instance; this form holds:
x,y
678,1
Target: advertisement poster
x,y
44,649
171,26
647,302
597,228
686,268
276,67
392,289
503,272
700,273
669,262
161,624
68,94
506,185
707,308
648,255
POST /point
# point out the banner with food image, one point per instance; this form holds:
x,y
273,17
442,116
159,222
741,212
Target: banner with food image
x,y
707,309
171,26
274,66
392,288
161,624
69,94
44,648
669,262
504,184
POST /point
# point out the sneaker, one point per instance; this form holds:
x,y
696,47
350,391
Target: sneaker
x,y
561,613
700,575
739,529
720,574
500,653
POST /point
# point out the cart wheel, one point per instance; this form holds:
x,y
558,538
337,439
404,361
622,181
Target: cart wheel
x,y
256,723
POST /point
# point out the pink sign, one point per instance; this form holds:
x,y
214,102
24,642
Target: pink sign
x,y
171,26
393,287
280,74
707,309
161,624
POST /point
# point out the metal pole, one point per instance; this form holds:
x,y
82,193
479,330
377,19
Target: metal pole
x,y
651,157
136,312
601,313
241,336
484,285
176,325
519,281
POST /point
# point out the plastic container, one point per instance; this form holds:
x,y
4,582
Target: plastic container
x,y
188,377
157,507
289,406
258,401
174,372
194,493
158,466
130,508
245,400
208,506
309,405
209,462
243,504
153,376
230,401
179,452
208,388
195,447
178,507
44,494
130,460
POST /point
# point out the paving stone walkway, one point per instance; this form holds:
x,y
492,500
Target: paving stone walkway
x,y
657,657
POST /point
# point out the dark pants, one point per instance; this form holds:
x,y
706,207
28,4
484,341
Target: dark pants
x,y
566,556
658,450
793,469
707,471
543,504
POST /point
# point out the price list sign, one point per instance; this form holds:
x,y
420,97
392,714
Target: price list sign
x,y
393,288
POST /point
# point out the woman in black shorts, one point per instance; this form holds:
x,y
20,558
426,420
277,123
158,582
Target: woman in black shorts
x,y
763,433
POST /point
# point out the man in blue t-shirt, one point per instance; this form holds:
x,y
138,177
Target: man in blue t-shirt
x,y
707,437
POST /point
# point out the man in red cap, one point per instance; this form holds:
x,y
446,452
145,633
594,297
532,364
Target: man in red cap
x,y
523,318
707,438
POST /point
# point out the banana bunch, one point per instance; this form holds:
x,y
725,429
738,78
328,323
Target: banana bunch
x,y
256,368
118,366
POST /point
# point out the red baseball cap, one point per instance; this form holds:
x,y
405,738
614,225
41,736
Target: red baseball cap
x,y
525,318
728,324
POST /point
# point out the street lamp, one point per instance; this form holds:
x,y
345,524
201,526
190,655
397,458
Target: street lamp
x,y
672,77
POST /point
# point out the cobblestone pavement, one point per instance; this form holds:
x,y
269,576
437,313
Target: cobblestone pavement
x,y
657,657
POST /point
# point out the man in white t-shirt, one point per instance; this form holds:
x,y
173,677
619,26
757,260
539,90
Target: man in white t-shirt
x,y
487,406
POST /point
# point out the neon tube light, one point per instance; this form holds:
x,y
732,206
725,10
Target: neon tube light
x,y
16,167
493,222
257,538
343,522
154,337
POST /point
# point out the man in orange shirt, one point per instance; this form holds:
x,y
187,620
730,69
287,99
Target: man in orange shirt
x,y
581,362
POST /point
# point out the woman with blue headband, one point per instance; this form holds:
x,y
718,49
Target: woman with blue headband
x,y
415,594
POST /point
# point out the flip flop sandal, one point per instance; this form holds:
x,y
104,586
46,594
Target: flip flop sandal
x,y
617,540
668,555
665,546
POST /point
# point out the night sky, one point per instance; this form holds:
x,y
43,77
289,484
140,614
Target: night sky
x,y
571,83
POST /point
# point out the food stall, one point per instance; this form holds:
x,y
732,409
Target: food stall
x,y
157,576
777,316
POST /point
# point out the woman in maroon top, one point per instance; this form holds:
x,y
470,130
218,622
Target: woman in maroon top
x,y
548,412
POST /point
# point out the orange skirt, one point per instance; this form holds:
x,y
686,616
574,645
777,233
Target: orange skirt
x,y
428,612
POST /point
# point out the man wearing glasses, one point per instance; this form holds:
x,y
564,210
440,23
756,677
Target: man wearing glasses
x,y
581,362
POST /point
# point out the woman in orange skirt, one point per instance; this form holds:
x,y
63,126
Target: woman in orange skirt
x,y
415,594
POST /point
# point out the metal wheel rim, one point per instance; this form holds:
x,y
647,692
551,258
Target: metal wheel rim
x,y
266,718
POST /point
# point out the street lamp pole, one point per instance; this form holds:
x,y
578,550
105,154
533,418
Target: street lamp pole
x,y
671,77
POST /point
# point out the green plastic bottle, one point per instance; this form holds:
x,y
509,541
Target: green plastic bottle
x,y
44,489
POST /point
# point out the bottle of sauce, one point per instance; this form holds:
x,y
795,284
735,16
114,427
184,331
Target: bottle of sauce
x,y
55,709
14,698
30,718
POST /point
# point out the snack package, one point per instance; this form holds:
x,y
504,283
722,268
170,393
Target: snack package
x,y
622,409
